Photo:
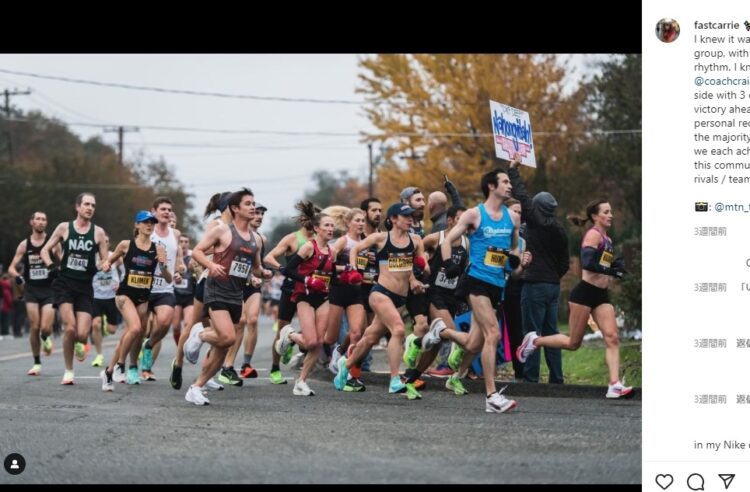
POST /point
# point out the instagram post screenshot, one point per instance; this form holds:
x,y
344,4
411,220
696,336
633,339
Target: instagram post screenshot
x,y
415,266
696,173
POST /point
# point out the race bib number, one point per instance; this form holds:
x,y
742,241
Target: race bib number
x,y
400,263
495,258
362,262
38,273
240,269
368,278
183,284
159,282
105,281
138,281
76,263
606,260
322,276
447,283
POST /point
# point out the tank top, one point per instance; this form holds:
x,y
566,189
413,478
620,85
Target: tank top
x,y
605,251
187,286
489,247
318,266
79,254
459,255
34,271
394,259
161,286
237,261
139,267
103,283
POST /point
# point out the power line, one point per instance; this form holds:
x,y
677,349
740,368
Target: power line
x,y
181,91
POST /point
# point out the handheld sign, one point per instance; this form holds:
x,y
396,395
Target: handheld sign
x,y
511,132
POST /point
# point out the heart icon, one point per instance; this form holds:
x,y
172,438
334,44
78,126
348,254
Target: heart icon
x,y
664,481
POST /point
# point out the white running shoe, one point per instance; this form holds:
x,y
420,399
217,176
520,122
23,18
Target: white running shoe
x,y
119,377
212,385
67,378
194,343
106,384
497,403
283,342
432,337
527,346
333,366
196,396
618,390
302,389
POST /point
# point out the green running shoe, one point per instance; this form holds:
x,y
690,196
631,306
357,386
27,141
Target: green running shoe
x,y
456,357
412,393
454,384
47,345
354,386
175,377
411,353
98,361
230,377
277,378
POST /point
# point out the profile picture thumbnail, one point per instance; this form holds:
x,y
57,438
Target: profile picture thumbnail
x,y
667,30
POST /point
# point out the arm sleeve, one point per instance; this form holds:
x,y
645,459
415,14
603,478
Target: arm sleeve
x,y
520,193
588,262
455,197
563,260
292,268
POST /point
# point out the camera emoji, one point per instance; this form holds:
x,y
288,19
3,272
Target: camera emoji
x,y
701,206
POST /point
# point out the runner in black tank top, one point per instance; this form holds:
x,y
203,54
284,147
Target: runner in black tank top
x,y
38,294
74,294
397,250
141,257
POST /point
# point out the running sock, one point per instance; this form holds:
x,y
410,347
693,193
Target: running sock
x,y
109,375
327,349
341,349
248,358
37,360
274,367
133,366
304,351
45,337
148,344
418,342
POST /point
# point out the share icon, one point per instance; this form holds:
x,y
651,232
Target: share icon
x,y
727,479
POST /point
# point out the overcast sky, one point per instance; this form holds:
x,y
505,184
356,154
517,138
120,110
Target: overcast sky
x,y
277,167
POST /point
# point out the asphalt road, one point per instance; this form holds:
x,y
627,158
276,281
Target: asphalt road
x,y
263,433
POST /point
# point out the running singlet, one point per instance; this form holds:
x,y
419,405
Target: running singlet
x,y
161,286
288,285
318,266
79,254
104,283
459,255
489,247
394,259
237,261
139,267
605,251
34,271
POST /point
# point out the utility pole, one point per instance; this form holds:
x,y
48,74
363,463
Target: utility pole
x,y
372,164
7,93
120,131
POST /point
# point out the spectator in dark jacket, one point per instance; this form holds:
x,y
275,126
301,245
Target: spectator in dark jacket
x,y
437,205
547,241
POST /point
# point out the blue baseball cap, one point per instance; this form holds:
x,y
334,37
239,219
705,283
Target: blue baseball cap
x,y
145,216
400,209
